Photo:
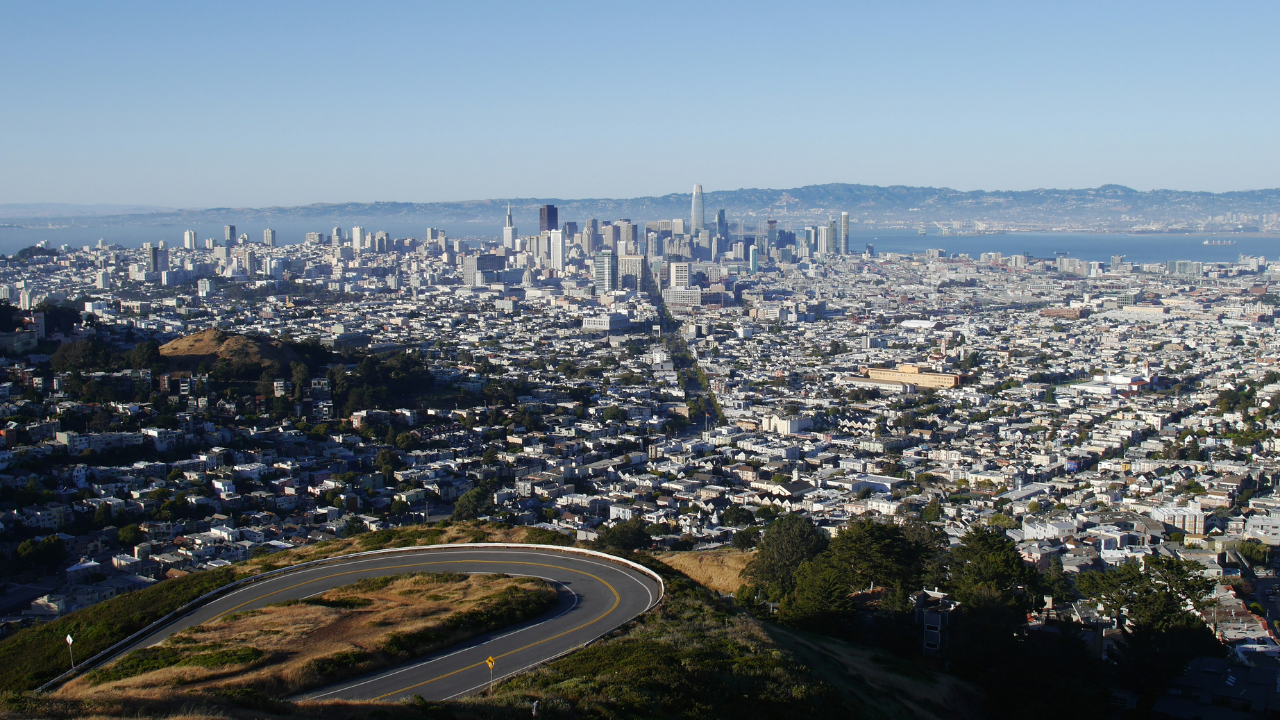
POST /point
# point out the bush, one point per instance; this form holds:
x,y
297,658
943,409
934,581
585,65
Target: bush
x,y
543,536
33,656
159,657
691,657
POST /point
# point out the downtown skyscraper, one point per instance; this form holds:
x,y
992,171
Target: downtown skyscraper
x,y
698,220
548,218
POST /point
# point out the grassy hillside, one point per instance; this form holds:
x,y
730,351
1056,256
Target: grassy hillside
x,y
38,654
290,647
694,656
211,345
719,570
35,655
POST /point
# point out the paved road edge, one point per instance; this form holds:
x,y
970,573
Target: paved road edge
x,y
124,644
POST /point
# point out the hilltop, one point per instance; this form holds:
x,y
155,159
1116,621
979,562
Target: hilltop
x,y
1105,205
211,345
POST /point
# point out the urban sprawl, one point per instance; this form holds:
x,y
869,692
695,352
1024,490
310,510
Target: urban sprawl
x,y
187,405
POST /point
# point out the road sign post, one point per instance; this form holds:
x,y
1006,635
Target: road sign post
x,y
71,652
489,662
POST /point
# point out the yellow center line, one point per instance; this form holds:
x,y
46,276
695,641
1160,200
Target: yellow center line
x,y
616,600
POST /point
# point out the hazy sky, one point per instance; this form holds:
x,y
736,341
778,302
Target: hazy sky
x,y
251,104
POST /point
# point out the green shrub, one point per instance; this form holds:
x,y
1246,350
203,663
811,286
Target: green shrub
x,y
373,584
38,654
338,663
370,541
691,657
158,657
543,536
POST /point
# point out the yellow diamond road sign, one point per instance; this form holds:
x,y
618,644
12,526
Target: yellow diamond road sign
x,y
489,662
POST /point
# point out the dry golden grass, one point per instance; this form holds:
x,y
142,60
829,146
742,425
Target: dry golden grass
x,y
719,570
293,635
212,345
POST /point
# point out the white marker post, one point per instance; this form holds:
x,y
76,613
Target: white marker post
x,y
72,652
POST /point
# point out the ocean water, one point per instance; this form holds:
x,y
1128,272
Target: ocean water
x,y
1086,246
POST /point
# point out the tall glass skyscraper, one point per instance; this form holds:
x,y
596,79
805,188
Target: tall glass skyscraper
x,y
605,271
548,218
698,220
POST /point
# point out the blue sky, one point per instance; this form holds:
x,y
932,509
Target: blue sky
x,y
253,104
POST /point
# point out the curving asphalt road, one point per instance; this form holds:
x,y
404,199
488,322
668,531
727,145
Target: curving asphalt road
x,y
595,596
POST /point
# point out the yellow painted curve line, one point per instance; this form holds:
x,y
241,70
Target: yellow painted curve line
x,y
617,599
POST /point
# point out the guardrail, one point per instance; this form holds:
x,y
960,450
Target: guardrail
x,y
122,645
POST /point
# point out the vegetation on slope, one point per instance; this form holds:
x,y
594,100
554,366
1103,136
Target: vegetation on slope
x,y
293,646
693,656
36,655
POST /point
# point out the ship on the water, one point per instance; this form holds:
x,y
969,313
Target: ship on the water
x,y
1219,242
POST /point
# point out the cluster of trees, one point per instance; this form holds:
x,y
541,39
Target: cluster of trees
x,y
57,318
860,586
379,381
93,355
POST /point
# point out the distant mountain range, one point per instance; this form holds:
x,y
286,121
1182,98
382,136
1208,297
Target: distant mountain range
x,y
28,211
1103,206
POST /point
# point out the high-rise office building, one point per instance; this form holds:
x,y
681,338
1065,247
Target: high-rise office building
x,y
755,263
557,250
509,232
315,238
680,275
475,266
269,237
871,250
336,238
698,219
157,259
722,225
210,243
630,268
844,234
548,218
189,240
771,235
229,235
605,271
357,237
824,241
609,235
